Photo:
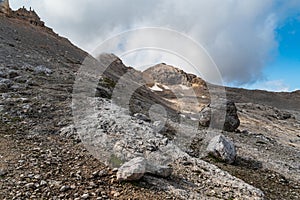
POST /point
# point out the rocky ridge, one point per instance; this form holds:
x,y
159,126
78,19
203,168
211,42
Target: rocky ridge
x,y
120,138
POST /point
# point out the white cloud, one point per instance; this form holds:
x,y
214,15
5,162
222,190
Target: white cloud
x,y
239,35
272,85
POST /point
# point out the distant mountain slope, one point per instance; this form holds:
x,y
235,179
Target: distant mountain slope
x,y
281,100
168,75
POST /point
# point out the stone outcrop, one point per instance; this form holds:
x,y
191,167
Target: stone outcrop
x,y
4,7
169,75
137,150
22,13
29,16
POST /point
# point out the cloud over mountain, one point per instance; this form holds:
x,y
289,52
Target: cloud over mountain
x,y
239,35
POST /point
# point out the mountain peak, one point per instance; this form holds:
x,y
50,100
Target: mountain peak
x,y
170,75
29,16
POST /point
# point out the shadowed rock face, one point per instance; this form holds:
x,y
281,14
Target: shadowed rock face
x,y
232,121
134,93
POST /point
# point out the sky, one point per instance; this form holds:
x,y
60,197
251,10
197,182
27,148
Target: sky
x,y
254,44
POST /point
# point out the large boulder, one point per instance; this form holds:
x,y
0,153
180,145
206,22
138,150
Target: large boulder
x,y
222,148
132,170
231,122
159,170
137,167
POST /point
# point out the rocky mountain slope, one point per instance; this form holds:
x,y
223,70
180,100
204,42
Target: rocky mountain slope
x,y
268,135
43,157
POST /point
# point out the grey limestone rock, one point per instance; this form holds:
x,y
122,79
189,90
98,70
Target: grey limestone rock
x,y
132,170
42,70
222,148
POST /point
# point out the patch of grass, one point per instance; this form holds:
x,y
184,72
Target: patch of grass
x,y
115,161
105,88
109,82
